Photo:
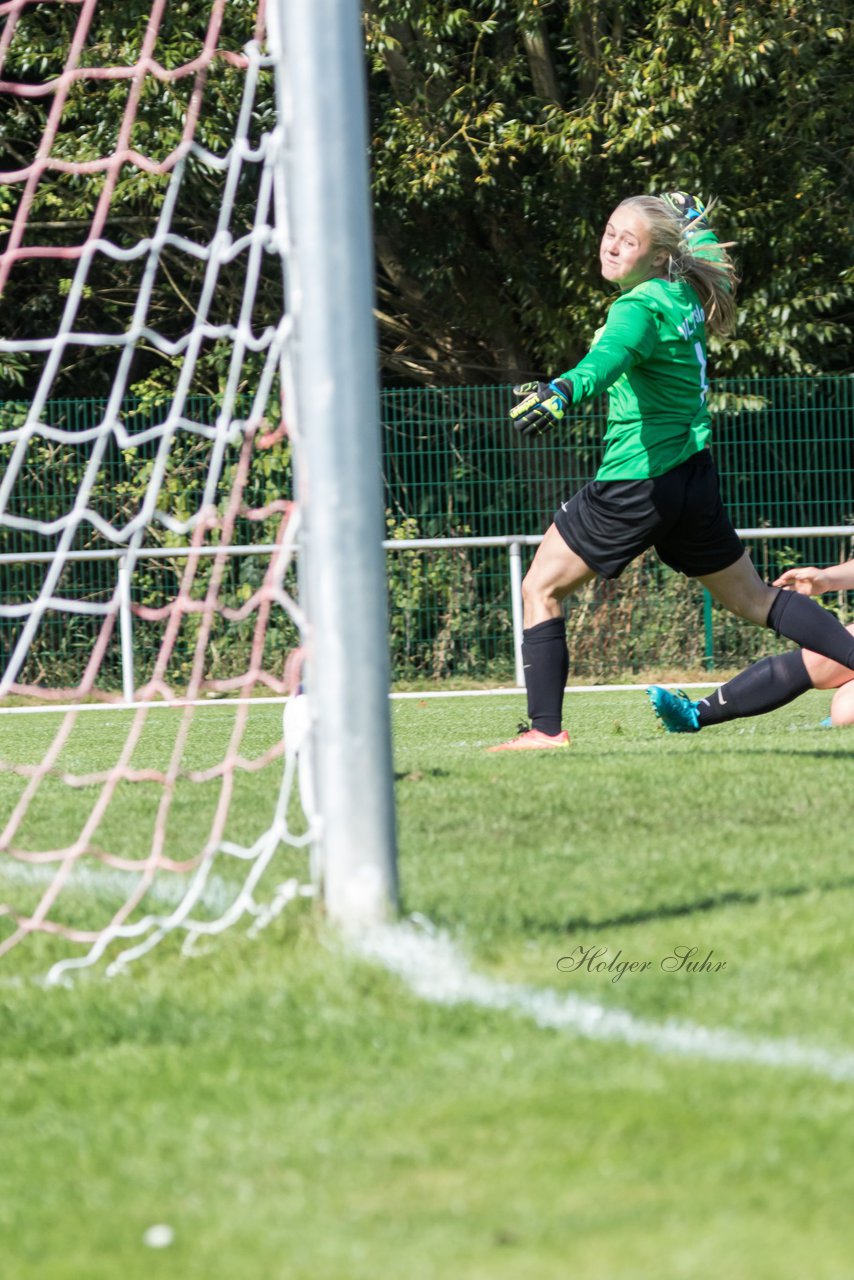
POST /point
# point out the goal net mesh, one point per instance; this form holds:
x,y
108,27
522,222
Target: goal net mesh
x,y
147,553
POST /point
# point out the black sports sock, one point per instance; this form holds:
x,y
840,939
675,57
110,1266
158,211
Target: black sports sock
x,y
801,619
768,684
545,657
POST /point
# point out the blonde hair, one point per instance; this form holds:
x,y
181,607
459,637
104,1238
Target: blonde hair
x,y
709,269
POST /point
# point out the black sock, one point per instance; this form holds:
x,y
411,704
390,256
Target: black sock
x,y
545,657
801,619
768,684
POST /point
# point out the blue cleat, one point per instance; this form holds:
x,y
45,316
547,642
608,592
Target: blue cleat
x,y
676,711
826,723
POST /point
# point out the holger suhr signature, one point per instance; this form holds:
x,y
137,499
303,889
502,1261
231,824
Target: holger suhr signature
x,y
596,959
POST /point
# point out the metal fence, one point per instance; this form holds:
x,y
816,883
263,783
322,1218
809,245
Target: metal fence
x,y
456,468
454,471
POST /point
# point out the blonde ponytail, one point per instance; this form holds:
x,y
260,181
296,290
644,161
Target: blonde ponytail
x,y
707,267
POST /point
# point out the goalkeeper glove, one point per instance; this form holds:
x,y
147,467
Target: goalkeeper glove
x,y
542,406
690,209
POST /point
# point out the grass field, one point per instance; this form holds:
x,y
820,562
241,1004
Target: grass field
x,y
295,1110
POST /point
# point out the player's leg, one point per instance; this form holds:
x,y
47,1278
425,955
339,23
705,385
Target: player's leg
x,y
765,686
597,532
797,617
555,572
824,673
830,675
740,589
842,706
703,544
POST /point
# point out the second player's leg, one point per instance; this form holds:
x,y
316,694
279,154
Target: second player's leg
x,y
842,706
824,673
830,675
765,686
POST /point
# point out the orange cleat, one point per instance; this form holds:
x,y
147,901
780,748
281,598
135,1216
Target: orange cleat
x,y
533,740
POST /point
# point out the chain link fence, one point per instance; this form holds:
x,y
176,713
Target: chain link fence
x,y
454,469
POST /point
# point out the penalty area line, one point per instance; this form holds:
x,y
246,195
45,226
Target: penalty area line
x,y
434,969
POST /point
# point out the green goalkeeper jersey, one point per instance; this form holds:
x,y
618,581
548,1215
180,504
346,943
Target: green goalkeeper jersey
x,y
650,356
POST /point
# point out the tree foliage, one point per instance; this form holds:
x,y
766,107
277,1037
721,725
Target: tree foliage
x,y
504,131
64,204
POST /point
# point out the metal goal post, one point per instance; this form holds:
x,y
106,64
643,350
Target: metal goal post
x,y
322,104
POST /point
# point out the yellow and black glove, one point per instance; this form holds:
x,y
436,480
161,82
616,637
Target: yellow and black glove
x,y
542,405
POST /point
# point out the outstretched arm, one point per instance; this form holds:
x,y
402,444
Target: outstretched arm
x,y
810,581
629,334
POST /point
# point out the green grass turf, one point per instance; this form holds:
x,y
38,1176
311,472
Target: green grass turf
x,y
294,1111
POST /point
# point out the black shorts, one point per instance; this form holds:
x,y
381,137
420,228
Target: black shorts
x,y
610,522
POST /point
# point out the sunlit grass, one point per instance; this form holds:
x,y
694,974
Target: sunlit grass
x,y
292,1110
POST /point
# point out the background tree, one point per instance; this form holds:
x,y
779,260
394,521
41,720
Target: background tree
x,y
63,204
504,131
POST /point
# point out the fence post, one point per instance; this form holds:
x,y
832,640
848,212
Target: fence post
x,y
708,628
516,607
126,629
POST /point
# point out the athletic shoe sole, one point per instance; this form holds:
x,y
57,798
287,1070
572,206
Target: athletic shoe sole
x,y
533,740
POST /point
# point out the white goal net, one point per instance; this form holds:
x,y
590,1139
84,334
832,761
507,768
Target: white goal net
x,y
149,432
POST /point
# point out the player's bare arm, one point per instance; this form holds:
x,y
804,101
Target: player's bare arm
x,y
810,581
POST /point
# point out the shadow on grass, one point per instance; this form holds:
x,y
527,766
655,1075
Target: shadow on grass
x,y
417,775
714,902
833,751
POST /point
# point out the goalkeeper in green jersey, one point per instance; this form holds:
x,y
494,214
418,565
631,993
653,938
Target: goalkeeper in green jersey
x,y
657,485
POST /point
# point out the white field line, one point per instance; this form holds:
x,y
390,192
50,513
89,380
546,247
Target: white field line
x,y
167,888
272,701
434,969
177,705
570,688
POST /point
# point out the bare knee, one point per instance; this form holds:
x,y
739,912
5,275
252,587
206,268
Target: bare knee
x,y
536,591
824,672
540,600
842,706
555,572
752,603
